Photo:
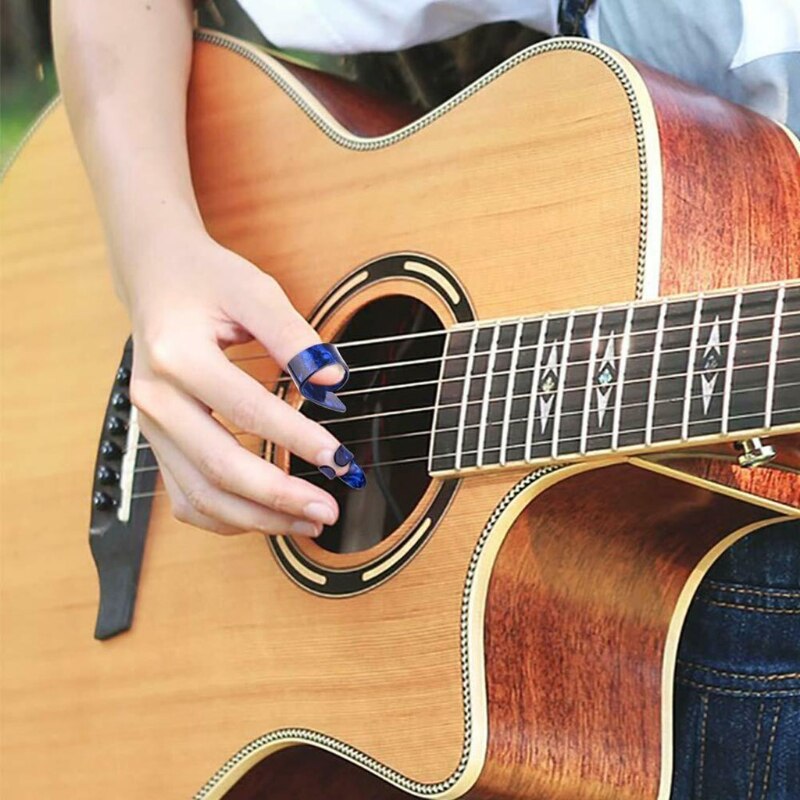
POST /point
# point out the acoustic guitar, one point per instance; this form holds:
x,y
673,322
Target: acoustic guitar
x,y
570,301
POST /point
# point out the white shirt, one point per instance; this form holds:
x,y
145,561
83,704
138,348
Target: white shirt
x,y
363,26
745,50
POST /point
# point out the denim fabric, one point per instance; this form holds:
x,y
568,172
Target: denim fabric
x,y
737,688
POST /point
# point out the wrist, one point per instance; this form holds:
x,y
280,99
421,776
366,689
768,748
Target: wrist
x,y
149,247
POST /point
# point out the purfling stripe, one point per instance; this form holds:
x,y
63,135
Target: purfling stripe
x,y
643,139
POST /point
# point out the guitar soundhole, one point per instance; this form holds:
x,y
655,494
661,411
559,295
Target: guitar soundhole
x,y
398,374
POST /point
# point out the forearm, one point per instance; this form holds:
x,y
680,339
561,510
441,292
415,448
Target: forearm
x,y
123,68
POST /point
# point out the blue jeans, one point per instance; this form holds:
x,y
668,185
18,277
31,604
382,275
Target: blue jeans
x,y
737,690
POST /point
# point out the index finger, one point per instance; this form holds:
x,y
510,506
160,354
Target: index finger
x,y
245,403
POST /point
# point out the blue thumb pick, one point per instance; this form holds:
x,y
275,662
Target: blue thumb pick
x,y
310,361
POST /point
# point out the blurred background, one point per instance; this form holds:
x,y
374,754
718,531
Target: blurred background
x,y
27,76
422,76
27,73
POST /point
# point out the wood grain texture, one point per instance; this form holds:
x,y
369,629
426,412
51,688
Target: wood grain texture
x,y
224,648
731,218
339,208
731,191
581,599
595,730
779,480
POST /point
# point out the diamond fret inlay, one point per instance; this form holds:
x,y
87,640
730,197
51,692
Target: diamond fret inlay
x,y
606,376
547,387
624,378
709,366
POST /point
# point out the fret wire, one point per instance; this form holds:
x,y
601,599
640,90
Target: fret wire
x,y
755,289
414,384
465,396
623,362
651,392
773,354
357,392
729,365
146,446
687,393
587,396
581,363
487,388
388,364
512,378
473,402
435,419
535,386
661,445
562,377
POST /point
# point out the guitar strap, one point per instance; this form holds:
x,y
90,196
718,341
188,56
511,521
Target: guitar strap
x,y
572,17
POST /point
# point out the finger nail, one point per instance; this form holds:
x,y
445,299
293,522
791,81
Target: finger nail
x,y
354,477
342,457
328,472
320,512
301,528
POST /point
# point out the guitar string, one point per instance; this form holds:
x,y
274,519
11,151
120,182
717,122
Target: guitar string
x,y
451,357
489,424
577,456
569,390
566,391
513,322
491,325
520,370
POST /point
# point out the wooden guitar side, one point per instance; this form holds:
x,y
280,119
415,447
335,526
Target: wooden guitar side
x,y
585,606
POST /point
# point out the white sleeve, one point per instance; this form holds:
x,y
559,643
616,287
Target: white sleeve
x,y
362,26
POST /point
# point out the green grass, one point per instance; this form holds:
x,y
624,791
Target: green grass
x,y
20,104
12,129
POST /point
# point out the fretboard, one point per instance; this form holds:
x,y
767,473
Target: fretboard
x,y
636,377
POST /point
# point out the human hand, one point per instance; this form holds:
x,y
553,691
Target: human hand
x,y
189,298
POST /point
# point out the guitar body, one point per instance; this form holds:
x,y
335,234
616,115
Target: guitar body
x,y
517,643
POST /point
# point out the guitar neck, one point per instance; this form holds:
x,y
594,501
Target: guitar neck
x,y
632,378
